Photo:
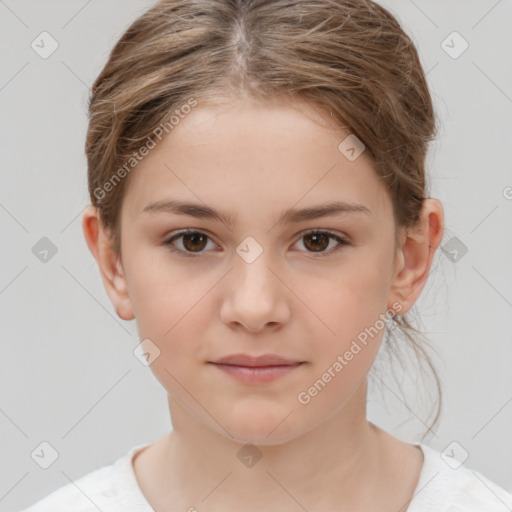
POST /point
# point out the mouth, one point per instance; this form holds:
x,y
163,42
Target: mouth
x,y
256,361
256,370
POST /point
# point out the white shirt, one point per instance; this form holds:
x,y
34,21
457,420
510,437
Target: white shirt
x,y
114,488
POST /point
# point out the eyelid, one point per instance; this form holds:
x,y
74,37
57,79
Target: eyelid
x,y
168,241
341,239
321,230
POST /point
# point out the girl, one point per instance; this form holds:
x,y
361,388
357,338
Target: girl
x,y
259,205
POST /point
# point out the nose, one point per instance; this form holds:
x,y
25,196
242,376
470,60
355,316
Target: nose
x,y
255,297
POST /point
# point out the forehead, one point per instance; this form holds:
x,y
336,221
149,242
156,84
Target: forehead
x,y
254,158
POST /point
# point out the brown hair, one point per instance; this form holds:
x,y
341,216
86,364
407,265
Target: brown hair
x,y
349,56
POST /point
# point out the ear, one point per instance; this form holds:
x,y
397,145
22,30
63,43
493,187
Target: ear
x,y
99,241
414,257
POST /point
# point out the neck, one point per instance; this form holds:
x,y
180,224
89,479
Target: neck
x,y
327,467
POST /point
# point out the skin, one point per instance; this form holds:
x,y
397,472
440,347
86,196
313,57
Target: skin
x,y
255,161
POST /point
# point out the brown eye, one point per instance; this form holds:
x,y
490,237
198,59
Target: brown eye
x,y
193,243
317,242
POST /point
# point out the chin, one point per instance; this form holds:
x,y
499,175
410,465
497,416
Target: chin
x,y
261,429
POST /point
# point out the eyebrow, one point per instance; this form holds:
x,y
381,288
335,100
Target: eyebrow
x,y
226,217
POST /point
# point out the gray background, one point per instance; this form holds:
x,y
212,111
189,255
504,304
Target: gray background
x,y
67,372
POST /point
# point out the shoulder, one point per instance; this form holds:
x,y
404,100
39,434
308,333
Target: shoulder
x,y
445,485
111,488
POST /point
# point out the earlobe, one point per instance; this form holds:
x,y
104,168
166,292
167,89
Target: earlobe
x,y
414,258
112,274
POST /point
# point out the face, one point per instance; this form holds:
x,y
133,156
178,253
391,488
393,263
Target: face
x,y
310,289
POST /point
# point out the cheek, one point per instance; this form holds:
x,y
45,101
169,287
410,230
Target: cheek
x,y
350,321
351,299
172,306
169,306
354,311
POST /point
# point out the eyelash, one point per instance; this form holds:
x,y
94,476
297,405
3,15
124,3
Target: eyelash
x,y
341,241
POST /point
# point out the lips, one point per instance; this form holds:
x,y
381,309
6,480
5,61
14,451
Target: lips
x,y
256,370
265,360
